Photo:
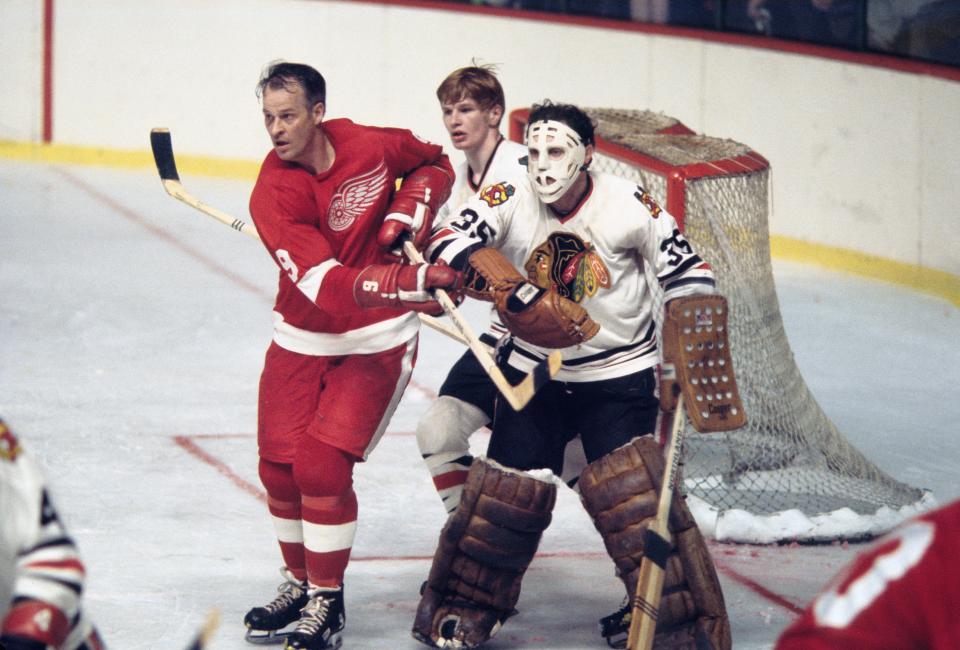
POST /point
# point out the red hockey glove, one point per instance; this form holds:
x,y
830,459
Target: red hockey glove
x,y
410,213
407,286
34,624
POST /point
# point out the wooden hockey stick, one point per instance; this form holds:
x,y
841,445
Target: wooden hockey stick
x,y
162,147
210,625
656,547
697,371
518,395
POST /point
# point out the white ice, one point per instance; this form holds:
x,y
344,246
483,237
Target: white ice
x,y
132,331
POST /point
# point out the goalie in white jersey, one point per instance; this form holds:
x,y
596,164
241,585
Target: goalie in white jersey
x,y
561,252
472,101
41,574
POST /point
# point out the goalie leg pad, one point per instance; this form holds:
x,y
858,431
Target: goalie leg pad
x,y
484,550
620,491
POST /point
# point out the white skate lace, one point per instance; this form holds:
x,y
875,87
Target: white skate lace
x,y
289,592
314,615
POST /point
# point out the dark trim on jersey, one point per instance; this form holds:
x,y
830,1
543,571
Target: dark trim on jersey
x,y
75,587
486,167
438,251
564,218
683,282
647,339
63,540
681,269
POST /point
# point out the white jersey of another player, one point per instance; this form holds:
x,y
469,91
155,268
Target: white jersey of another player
x,y
594,255
508,164
41,574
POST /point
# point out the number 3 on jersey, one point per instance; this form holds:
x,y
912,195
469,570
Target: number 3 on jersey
x,y
471,225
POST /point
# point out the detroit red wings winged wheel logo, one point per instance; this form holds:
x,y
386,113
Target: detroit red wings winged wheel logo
x,y
354,197
569,265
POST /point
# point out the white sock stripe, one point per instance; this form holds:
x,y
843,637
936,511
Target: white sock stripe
x,y
289,531
327,538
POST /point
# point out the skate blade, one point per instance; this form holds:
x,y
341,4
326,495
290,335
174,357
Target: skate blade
x,y
617,640
267,637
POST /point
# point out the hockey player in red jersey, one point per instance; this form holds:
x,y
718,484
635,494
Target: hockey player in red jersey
x,y
345,331
41,573
901,593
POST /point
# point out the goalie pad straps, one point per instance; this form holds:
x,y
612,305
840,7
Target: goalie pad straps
x,y
620,492
484,550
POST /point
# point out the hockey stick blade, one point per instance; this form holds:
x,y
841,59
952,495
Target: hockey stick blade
x,y
162,146
210,626
517,396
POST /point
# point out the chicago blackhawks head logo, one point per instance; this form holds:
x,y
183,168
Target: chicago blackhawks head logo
x,y
567,264
9,445
496,194
356,196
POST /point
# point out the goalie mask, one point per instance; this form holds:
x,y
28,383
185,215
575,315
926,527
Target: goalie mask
x,y
556,156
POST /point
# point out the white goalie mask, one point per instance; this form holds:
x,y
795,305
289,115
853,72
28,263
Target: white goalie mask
x,y
556,155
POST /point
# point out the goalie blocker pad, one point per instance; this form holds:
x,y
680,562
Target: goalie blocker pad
x,y
620,493
484,550
697,363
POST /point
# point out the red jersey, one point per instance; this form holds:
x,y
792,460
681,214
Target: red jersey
x,y
902,593
322,231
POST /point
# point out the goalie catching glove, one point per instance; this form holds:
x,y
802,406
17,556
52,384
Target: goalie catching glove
x,y
407,286
539,316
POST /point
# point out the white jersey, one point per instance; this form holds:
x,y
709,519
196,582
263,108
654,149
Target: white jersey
x,y
507,164
595,255
40,568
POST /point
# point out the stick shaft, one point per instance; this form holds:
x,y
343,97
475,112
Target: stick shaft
x,y
646,601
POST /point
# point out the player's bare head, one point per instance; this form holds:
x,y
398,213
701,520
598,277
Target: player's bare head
x,y
282,75
476,82
559,147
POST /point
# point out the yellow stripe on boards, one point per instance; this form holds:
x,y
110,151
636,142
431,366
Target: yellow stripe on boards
x,y
80,155
931,281
938,283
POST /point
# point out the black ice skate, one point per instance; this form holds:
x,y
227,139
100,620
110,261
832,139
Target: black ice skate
x,y
321,621
266,625
616,627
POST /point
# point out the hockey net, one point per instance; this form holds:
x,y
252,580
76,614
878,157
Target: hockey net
x,y
788,474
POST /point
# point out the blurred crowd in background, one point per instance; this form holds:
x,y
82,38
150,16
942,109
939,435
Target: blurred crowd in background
x,y
926,30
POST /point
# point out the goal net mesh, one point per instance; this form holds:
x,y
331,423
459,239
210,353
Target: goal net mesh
x,y
789,456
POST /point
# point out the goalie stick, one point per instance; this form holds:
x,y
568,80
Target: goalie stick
x,y
517,396
162,147
698,373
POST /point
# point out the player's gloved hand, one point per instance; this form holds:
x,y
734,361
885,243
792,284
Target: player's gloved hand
x,y
407,286
398,226
411,211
